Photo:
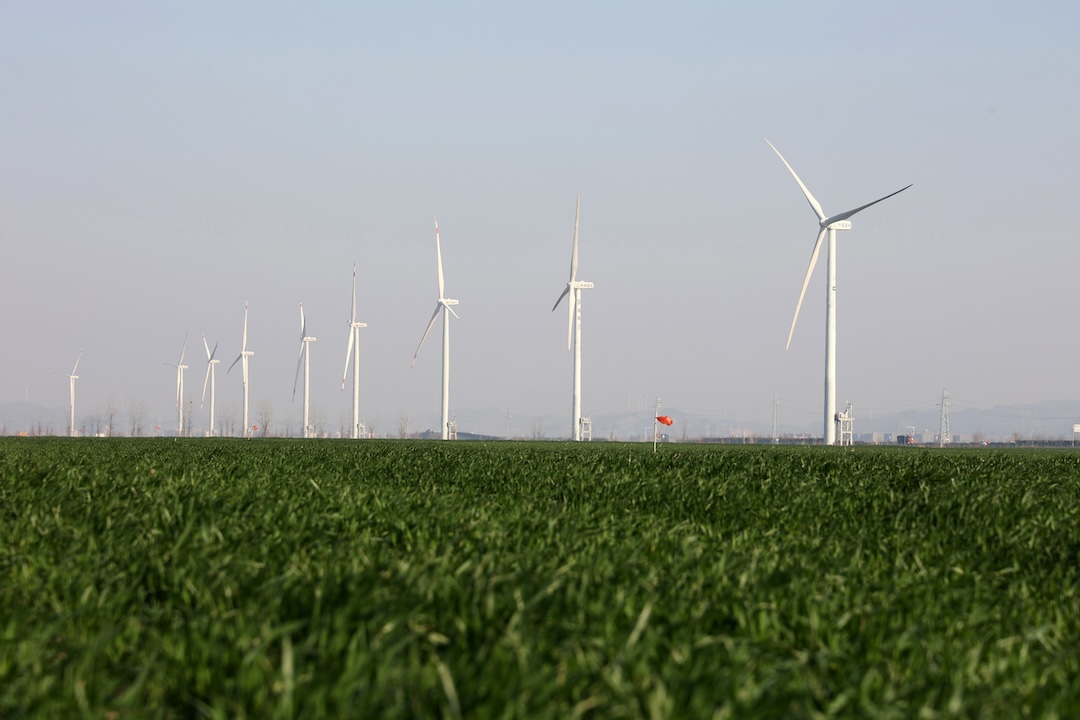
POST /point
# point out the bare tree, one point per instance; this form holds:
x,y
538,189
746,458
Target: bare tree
x,y
403,426
266,416
137,415
110,416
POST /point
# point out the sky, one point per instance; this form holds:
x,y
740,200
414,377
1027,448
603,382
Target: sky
x,y
162,164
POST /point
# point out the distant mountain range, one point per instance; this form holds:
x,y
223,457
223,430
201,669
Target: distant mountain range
x,y
1047,420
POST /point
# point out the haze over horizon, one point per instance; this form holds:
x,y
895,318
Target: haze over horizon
x,y
161,165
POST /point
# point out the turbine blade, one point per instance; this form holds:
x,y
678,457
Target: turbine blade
x,y
574,255
179,372
849,213
206,379
348,356
438,257
451,311
303,324
183,350
810,198
565,291
353,294
243,346
438,307
805,283
207,346
244,365
571,308
74,369
234,364
214,351
296,378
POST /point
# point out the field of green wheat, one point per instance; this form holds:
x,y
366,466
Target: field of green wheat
x,y
287,578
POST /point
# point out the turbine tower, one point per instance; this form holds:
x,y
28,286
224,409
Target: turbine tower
x,y
305,358
354,341
180,368
242,358
445,305
72,378
826,224
211,361
573,329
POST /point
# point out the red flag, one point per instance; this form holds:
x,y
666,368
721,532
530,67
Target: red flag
x,y
664,419
256,427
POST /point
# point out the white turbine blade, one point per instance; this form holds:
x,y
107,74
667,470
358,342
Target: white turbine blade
x,y
565,291
348,356
438,257
206,380
243,346
74,369
447,306
810,198
213,353
849,213
574,254
805,283
178,374
571,308
438,307
299,363
183,350
207,346
303,324
353,294
244,365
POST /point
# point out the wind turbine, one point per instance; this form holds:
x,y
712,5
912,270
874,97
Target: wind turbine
x,y
211,361
573,328
829,224
305,357
72,378
443,303
180,368
242,358
354,340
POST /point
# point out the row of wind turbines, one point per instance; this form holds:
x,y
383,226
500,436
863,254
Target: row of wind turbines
x,y
828,225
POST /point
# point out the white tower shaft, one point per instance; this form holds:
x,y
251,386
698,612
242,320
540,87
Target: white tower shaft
x,y
830,342
445,416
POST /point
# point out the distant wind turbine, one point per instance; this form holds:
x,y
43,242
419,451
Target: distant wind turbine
x,y
72,378
180,368
354,341
573,329
445,305
242,358
828,224
305,358
211,361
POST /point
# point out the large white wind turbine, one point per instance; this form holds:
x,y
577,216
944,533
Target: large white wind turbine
x,y
305,358
354,341
444,304
242,358
829,224
180,368
573,329
211,361
72,378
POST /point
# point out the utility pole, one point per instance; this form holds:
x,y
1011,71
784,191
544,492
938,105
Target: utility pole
x,y
944,438
776,419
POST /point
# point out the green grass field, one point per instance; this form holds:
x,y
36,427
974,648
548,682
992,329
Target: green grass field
x,y
224,578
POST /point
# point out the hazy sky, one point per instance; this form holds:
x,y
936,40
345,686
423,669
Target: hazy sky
x,y
162,163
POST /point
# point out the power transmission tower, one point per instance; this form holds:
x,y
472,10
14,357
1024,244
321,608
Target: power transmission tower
x,y
776,419
944,437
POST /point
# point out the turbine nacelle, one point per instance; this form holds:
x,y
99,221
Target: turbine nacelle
x,y
836,225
